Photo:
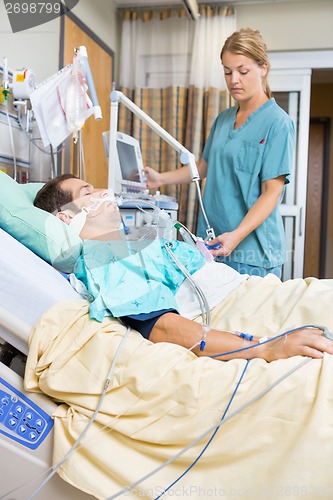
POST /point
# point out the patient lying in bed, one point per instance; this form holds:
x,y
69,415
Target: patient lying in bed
x,y
137,282
154,429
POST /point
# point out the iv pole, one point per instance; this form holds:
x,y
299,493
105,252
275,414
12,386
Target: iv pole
x,y
186,157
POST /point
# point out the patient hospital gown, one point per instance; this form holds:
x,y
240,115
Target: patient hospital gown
x,y
132,277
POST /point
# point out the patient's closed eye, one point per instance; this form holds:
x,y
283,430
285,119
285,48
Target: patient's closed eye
x,y
87,189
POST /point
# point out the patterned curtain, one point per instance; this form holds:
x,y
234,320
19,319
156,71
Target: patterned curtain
x,y
186,112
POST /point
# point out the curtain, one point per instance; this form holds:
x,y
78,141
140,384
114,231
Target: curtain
x,y
170,67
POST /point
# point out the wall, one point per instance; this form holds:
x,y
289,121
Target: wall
x,y
38,48
303,25
102,17
300,25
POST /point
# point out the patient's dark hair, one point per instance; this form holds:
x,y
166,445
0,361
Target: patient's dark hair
x,y
51,197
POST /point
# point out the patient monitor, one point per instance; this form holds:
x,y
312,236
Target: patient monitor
x,y
128,181
130,163
128,171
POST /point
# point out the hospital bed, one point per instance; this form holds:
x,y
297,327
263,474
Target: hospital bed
x,y
274,441
26,426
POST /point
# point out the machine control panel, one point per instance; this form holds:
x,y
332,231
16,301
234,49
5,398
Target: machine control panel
x,y
21,419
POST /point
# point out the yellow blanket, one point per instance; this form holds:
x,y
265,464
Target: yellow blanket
x,y
162,397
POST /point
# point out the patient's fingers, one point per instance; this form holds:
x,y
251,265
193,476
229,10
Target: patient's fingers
x,y
303,342
313,341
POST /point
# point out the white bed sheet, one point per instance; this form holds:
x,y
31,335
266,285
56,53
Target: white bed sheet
x,y
28,286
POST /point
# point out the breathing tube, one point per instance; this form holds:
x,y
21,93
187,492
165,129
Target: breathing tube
x,y
205,310
79,221
192,240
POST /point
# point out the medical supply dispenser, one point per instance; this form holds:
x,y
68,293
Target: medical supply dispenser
x,y
23,83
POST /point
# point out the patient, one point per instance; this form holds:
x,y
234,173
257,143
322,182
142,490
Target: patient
x,y
106,248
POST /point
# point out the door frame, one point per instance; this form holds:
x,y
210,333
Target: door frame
x,y
325,126
95,165
291,71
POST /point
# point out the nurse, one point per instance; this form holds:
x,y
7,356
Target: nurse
x,y
246,162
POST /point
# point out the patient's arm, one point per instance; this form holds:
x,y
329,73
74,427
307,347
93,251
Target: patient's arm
x,y
179,330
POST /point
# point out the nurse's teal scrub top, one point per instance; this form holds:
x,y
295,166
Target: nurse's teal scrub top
x,y
238,162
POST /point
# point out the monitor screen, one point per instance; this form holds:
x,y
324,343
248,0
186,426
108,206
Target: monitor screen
x,y
127,171
128,162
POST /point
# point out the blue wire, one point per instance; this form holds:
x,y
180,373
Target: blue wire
x,y
265,342
125,227
212,436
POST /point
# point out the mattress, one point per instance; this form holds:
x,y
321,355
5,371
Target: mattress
x,y
29,287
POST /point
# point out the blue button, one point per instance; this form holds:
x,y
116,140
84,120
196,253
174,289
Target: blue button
x,y
12,422
33,436
39,423
213,247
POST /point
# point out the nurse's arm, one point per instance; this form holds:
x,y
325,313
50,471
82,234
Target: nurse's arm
x,y
271,192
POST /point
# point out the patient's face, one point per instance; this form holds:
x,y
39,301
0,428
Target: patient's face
x,y
103,214
103,221
77,187
86,195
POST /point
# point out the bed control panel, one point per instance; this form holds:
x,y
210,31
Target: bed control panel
x,y
21,419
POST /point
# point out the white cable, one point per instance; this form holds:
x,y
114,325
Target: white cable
x,y
84,432
201,297
82,167
12,143
210,430
204,306
113,418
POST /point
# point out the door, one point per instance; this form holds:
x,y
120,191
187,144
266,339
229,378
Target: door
x,y
291,89
89,161
317,199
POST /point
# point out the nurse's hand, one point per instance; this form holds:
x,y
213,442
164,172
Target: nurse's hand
x,y
153,179
228,242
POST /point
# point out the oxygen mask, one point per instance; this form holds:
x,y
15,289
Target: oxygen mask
x,y
91,209
96,201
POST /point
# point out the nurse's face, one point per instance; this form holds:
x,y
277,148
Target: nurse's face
x,y
243,76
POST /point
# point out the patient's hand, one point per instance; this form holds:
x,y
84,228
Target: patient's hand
x,y
303,342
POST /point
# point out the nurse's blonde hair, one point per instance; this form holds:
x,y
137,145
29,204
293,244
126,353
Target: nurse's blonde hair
x,y
249,43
